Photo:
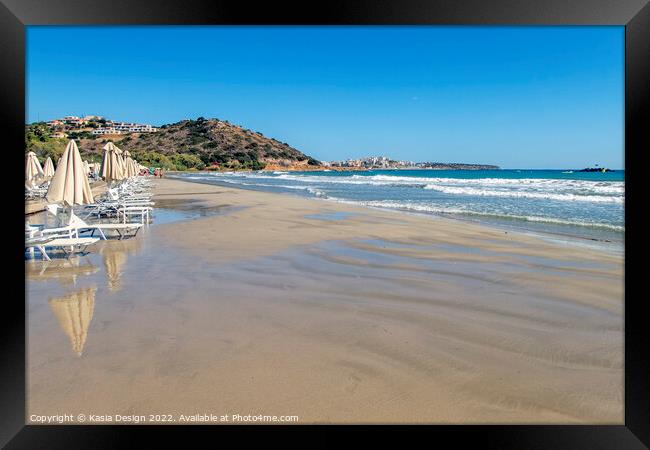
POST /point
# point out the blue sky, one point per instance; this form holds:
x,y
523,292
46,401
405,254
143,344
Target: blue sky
x,y
518,97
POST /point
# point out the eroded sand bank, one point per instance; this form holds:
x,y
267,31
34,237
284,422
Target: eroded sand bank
x,y
274,304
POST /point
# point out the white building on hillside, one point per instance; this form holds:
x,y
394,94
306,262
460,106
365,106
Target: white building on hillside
x,y
107,130
74,120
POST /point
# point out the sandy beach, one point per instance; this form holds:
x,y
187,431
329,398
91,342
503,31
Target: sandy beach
x,y
244,302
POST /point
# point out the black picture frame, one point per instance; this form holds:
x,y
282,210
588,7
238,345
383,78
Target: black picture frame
x,y
15,15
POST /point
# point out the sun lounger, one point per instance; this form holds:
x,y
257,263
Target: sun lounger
x,y
58,232
109,206
32,192
68,245
77,225
123,229
142,211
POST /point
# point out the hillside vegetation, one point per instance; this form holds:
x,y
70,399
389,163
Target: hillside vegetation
x,y
188,144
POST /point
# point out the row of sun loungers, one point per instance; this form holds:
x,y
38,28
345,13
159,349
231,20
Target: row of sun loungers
x,y
123,203
33,192
130,198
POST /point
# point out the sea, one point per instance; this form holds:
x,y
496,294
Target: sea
x,y
561,203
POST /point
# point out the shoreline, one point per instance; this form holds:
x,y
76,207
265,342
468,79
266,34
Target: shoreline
x,y
521,226
449,221
275,304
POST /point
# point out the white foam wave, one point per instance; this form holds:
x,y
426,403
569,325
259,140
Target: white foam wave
x,y
416,207
524,194
530,188
559,190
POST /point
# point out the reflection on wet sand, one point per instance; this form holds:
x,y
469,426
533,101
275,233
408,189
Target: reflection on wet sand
x,y
66,271
74,312
375,318
115,254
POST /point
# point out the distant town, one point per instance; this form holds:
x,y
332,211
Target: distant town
x,y
383,162
96,125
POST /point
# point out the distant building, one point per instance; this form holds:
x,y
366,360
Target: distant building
x,y
59,135
74,120
108,126
108,130
143,129
130,127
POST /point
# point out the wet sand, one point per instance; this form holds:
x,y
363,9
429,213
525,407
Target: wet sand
x,y
244,302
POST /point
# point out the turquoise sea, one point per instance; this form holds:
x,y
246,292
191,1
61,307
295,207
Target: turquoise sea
x,y
563,202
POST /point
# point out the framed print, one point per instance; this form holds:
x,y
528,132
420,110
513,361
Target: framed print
x,y
365,214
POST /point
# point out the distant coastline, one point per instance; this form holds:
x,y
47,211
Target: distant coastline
x,y
325,168
201,144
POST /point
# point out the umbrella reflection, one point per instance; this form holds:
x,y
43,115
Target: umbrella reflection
x,y
74,313
115,254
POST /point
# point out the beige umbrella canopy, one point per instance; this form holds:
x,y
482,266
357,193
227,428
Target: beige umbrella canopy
x,y
74,313
70,184
120,160
127,164
48,168
127,169
130,167
111,168
33,169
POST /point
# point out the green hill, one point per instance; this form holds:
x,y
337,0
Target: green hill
x,y
188,144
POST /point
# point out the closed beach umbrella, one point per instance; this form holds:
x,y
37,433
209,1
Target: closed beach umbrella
x,y
87,168
127,167
48,168
120,154
111,168
70,184
134,167
33,169
126,157
130,167
74,312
